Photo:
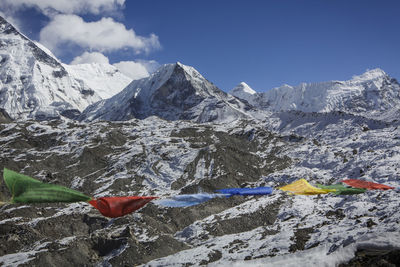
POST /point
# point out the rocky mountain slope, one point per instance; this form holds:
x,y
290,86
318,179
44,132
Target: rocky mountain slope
x,y
149,156
34,84
173,92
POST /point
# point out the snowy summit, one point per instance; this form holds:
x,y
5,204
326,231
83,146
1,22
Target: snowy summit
x,y
173,92
243,91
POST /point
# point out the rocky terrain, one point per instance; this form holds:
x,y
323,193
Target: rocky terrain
x,y
177,133
137,157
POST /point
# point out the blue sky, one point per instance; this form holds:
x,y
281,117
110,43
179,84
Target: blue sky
x,y
263,43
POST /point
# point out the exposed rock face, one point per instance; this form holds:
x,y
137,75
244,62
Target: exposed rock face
x,y
4,117
371,257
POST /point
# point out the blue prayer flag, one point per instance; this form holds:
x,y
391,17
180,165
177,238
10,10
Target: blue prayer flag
x,y
246,191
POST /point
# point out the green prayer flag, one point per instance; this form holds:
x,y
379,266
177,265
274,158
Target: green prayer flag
x,y
25,189
342,190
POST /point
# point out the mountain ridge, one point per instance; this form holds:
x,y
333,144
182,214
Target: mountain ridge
x,y
371,94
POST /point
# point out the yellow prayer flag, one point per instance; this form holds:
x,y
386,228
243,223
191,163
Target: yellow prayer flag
x,y
302,187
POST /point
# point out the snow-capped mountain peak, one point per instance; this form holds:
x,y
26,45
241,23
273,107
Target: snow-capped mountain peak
x,y
370,75
173,92
155,81
35,84
243,91
244,88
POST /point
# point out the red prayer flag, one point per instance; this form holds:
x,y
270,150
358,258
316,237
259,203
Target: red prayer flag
x,y
114,207
364,184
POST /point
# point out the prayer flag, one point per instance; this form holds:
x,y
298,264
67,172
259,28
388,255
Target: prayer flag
x,y
246,191
367,185
302,187
114,207
25,189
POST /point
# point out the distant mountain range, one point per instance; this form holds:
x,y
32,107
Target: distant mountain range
x,y
34,84
372,94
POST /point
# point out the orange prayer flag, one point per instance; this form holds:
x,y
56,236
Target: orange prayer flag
x,y
367,185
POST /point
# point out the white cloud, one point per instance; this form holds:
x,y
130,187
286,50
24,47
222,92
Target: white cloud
x,y
150,65
132,69
103,35
87,57
49,7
